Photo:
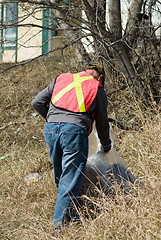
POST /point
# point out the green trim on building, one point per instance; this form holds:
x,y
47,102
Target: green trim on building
x,y
16,38
54,32
1,49
45,32
49,20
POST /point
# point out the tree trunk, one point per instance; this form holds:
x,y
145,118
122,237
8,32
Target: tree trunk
x,y
120,49
132,28
72,37
114,11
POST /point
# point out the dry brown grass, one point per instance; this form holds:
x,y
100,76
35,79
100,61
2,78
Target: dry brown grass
x,y
27,210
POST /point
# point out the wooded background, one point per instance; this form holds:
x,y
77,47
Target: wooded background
x,y
94,29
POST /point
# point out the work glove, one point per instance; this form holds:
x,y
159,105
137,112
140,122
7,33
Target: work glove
x,y
104,149
107,148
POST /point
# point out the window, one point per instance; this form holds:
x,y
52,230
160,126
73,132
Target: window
x,y
9,17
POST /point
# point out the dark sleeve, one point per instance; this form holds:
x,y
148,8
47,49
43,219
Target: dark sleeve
x,y
42,100
101,117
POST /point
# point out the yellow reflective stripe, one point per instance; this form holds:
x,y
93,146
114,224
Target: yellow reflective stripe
x,y
62,92
77,84
78,80
79,93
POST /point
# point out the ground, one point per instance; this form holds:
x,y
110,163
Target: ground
x,y
27,210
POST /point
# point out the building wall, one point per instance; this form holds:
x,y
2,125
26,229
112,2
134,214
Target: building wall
x,y
29,38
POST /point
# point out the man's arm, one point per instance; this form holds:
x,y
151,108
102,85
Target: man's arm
x,y
101,119
42,100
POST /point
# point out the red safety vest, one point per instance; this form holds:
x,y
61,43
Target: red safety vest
x,y
75,92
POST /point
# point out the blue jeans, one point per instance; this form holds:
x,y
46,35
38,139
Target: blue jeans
x,y
68,150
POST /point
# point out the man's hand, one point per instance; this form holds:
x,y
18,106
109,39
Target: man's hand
x,y
104,149
107,148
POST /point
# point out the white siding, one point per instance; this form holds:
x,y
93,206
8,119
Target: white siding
x,y
29,38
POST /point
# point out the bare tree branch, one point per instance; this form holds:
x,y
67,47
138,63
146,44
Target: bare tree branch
x,y
128,54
